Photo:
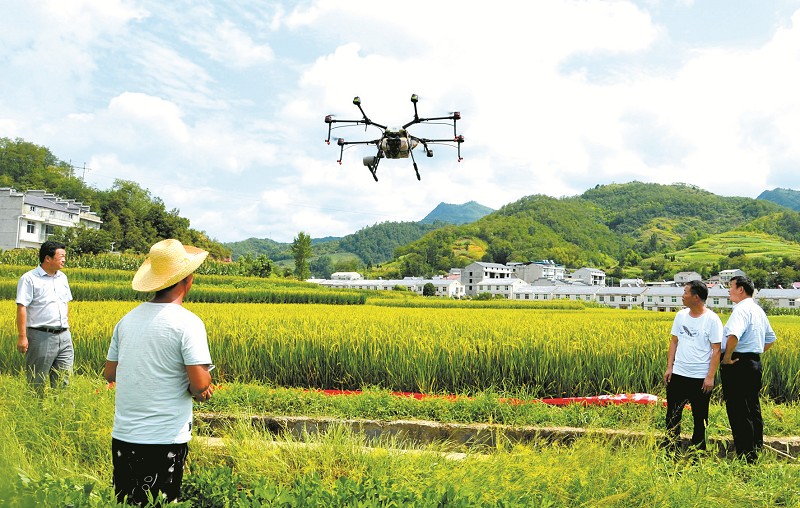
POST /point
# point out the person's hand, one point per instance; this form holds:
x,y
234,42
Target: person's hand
x,y
708,384
204,395
667,376
730,361
22,345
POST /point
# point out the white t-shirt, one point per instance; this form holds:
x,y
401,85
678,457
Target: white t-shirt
x,y
695,336
152,344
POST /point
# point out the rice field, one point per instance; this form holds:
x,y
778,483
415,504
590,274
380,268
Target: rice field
x,y
534,352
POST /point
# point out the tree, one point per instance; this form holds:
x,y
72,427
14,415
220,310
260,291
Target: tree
x,y
322,267
500,251
428,289
302,252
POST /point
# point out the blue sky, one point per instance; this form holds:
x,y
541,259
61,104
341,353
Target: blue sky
x,y
218,107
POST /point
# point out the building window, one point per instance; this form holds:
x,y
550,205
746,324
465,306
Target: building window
x,y
791,303
624,298
610,298
602,298
31,227
716,301
49,229
649,299
674,299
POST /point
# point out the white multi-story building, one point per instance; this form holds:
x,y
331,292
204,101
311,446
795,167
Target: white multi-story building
x,y
476,272
27,219
535,270
685,277
589,276
725,276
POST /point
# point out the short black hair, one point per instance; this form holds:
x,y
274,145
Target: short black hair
x,y
743,281
49,248
698,288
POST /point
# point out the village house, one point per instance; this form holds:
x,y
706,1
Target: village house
x,y
27,219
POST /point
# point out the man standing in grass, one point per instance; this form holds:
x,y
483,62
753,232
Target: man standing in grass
x,y
748,334
43,334
692,361
159,360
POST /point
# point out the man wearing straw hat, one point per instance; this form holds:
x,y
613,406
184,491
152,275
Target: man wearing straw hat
x,y
159,359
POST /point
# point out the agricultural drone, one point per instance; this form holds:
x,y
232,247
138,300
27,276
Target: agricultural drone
x,y
396,142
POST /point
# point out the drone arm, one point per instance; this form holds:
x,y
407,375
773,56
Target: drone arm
x,y
342,143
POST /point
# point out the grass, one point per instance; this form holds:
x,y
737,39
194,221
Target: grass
x,y
55,452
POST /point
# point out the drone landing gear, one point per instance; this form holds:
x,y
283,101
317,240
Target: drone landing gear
x,y
416,170
372,164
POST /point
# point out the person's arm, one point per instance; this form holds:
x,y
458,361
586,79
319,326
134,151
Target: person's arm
x,y
110,372
199,382
22,331
708,382
673,347
730,346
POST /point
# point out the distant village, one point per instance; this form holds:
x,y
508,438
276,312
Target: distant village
x,y
546,280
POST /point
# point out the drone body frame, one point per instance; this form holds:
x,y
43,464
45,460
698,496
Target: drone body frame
x,y
394,143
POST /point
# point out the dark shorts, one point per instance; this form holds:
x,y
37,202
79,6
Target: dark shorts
x,y
143,468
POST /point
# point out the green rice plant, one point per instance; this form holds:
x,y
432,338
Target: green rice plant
x,y
541,352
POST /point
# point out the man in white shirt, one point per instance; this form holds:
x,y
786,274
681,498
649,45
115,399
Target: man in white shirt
x,y
43,334
692,362
159,360
748,334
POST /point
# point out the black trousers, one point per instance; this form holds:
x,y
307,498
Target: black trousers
x,y
681,390
143,468
741,385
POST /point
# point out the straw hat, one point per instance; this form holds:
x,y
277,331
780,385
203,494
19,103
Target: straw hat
x,y
169,262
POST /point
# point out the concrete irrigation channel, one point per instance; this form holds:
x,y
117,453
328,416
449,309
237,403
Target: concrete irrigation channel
x,y
458,437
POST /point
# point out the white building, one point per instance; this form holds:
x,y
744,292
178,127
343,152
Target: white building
x,y
534,270
27,219
589,276
476,272
505,287
621,297
534,293
780,298
686,277
346,276
725,276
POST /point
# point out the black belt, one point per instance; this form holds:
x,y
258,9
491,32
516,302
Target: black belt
x,y
50,330
750,356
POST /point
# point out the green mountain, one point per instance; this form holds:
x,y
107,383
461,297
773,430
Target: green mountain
x,y
372,245
785,197
457,214
632,228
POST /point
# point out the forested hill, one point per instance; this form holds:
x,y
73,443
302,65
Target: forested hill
x,y
372,245
789,198
633,226
133,219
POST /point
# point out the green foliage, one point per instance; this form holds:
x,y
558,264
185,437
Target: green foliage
x,y
133,219
376,244
301,250
428,289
